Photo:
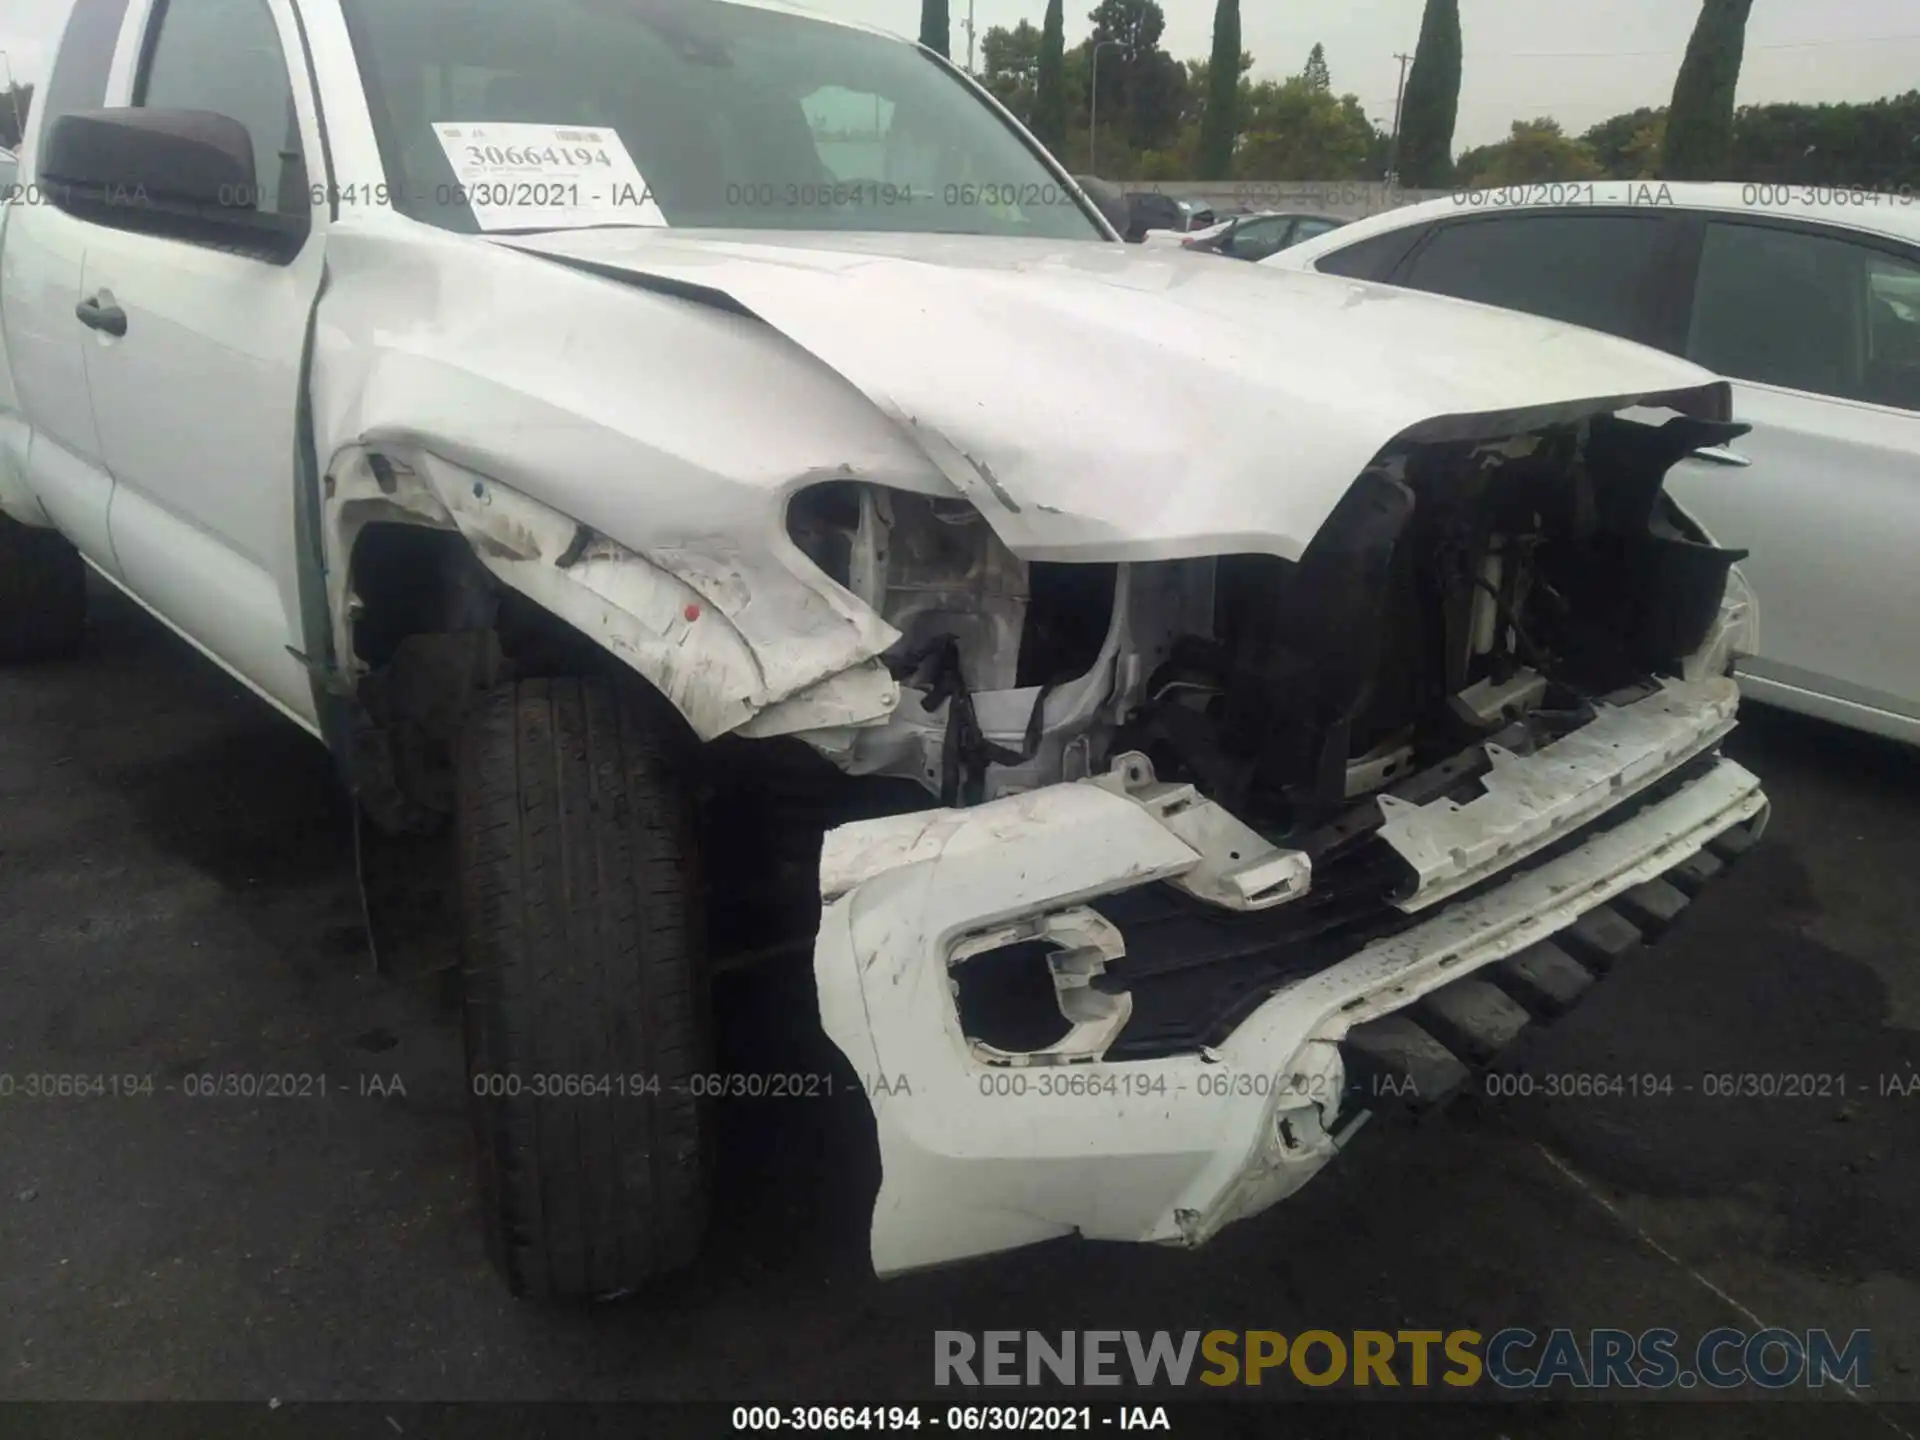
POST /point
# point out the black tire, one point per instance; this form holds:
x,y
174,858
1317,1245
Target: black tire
x,y
43,594
582,936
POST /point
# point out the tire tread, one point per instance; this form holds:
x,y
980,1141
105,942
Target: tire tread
x,y
583,948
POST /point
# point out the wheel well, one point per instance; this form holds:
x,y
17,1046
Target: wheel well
x,y
416,580
431,630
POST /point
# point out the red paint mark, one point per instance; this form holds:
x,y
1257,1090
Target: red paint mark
x,y
692,612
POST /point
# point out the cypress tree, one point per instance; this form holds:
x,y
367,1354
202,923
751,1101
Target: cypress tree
x,y
1699,141
933,26
1050,88
1220,124
1432,102
1317,76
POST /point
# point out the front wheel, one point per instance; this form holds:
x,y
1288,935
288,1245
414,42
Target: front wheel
x,y
43,594
586,1007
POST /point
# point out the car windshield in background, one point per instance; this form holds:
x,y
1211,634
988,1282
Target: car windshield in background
x,y
733,116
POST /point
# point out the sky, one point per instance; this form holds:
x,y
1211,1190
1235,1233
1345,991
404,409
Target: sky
x,y
1579,61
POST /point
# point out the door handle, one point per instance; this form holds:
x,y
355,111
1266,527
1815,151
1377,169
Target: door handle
x,y
1721,455
96,316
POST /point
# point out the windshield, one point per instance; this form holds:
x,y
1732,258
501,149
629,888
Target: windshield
x,y
500,114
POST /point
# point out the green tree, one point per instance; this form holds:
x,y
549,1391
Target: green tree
x,y
1295,132
1699,143
1536,150
1050,99
1142,88
1875,145
1627,147
1432,102
1220,124
1317,76
933,26
1009,67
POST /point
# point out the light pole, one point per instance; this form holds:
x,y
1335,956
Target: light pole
x,y
1399,101
1093,99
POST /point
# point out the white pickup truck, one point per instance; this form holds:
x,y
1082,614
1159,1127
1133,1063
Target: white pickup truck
x,y
665,447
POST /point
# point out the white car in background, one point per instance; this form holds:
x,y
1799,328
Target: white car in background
x,y
1809,300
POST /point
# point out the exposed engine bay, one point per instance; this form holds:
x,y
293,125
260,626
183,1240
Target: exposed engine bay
x,y
1485,700
1458,593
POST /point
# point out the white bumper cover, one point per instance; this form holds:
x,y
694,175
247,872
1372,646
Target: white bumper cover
x,y
983,1152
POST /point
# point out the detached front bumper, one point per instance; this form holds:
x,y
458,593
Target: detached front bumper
x,y
982,1150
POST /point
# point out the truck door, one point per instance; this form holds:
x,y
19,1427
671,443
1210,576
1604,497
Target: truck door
x,y
57,447
196,383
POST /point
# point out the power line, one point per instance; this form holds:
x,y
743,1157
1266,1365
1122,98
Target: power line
x,y
1643,54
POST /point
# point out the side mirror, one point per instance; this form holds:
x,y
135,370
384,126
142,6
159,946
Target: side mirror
x,y
187,174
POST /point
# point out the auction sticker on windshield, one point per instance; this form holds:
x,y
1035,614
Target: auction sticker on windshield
x,y
546,177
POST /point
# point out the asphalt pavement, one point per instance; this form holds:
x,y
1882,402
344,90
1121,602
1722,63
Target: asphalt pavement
x,y
177,898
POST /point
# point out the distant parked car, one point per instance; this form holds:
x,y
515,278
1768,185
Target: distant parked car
x,y
1150,210
1256,236
1109,197
1810,302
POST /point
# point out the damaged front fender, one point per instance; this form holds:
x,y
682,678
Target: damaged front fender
x,y
657,621
587,440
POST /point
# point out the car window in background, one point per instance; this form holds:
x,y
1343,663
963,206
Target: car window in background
x,y
1375,258
1808,312
225,56
1150,211
1307,229
1257,239
1600,271
734,116
1893,332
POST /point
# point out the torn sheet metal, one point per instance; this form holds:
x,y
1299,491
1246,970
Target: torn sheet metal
x,y
668,432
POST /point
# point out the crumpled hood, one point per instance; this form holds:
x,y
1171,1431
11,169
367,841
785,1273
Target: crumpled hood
x,y
1100,401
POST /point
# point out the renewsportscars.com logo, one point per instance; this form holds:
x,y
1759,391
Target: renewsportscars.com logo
x,y
1509,1359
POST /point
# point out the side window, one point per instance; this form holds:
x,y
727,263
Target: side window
x,y
1375,258
1307,229
1600,271
1154,212
225,56
1809,312
79,80
1893,332
1257,239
